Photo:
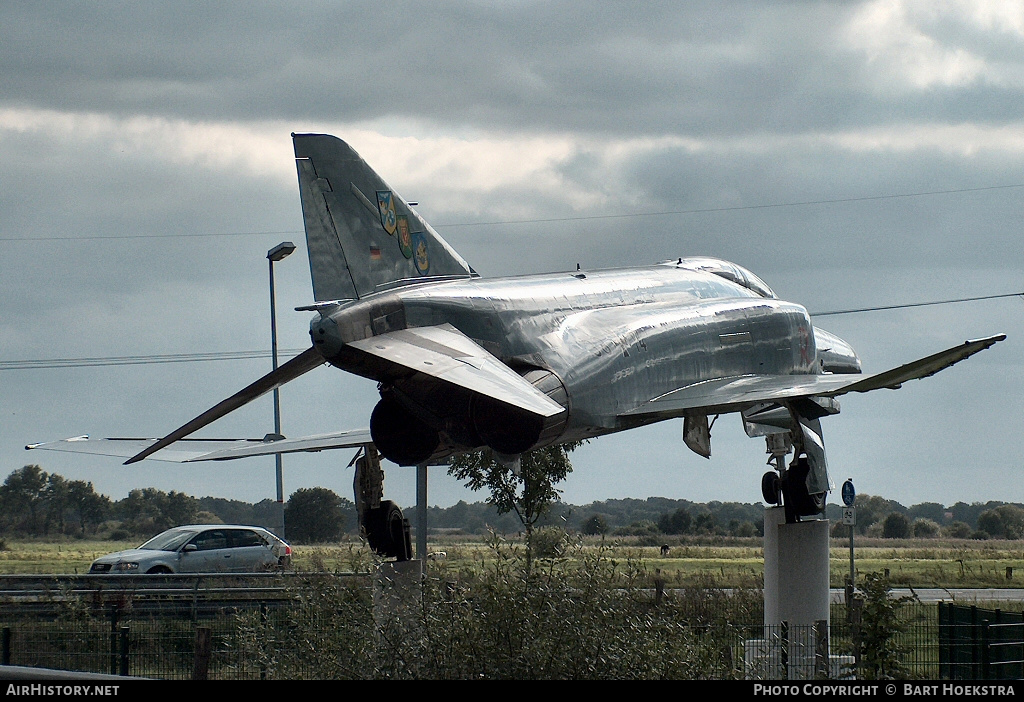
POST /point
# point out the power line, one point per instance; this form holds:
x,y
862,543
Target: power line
x,y
50,363
451,225
93,237
915,304
141,360
735,208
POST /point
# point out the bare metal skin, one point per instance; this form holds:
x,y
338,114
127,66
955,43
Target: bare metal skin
x,y
519,363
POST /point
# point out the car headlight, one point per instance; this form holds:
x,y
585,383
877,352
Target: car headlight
x,y
125,566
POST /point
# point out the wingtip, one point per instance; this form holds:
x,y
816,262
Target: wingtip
x,y
987,341
139,456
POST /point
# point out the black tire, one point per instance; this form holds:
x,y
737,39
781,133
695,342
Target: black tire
x,y
798,502
159,570
386,531
770,488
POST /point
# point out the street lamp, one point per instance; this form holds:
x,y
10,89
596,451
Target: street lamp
x,y
282,250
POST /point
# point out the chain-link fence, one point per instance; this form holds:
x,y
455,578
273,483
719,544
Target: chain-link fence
x,y
548,624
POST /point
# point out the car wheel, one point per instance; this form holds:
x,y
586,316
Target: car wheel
x,y
159,570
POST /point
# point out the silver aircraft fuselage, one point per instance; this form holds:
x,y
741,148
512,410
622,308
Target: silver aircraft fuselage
x,y
614,339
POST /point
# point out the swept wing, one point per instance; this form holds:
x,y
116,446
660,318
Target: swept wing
x,y
731,394
445,353
441,352
193,450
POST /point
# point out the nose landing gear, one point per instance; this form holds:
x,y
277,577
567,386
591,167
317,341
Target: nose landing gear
x,y
788,486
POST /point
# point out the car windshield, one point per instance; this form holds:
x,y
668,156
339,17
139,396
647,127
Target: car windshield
x,y
169,540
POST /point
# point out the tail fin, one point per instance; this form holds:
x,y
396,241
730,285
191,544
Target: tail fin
x,y
359,232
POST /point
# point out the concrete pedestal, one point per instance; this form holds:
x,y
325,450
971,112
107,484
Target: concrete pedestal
x,y
397,595
796,595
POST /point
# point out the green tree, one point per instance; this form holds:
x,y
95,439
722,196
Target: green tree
x,y
923,528
872,509
896,526
150,510
595,525
56,495
678,522
705,523
527,489
23,499
314,515
1003,522
928,510
88,508
959,530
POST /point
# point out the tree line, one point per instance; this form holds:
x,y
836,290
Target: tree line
x,y
36,503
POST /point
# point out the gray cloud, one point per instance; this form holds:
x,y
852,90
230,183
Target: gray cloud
x,y
670,69
704,106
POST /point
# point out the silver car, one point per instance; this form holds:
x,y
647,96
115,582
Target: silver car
x,y
201,548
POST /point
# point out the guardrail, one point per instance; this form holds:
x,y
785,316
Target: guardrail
x,y
198,594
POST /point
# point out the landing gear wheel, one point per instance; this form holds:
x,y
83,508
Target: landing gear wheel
x,y
798,502
387,531
771,489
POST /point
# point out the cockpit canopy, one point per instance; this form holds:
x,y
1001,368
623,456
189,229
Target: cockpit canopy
x,y
727,270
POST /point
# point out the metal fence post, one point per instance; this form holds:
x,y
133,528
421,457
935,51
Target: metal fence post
x,y
202,655
975,658
113,639
821,653
124,651
784,636
986,651
856,616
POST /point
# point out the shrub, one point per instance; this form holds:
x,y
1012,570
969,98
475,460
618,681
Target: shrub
x,y
595,525
896,526
958,530
585,617
923,528
882,653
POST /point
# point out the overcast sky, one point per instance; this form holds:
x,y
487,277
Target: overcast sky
x,y
851,154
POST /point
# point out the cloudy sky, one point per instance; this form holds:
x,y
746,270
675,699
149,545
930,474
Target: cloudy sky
x,y
852,154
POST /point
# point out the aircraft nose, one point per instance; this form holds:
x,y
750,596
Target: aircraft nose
x,y
834,354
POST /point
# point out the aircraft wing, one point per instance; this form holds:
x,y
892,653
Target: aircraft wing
x,y
192,450
445,353
723,395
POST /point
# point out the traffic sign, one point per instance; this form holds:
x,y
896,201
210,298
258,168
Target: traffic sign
x,y
849,494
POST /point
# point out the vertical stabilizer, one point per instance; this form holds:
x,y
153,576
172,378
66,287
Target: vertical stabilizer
x,y
360,233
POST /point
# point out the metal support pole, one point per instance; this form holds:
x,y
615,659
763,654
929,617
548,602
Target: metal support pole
x,y
285,248
421,511
277,405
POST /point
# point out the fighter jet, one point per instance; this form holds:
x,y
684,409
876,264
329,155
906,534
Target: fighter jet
x,y
515,364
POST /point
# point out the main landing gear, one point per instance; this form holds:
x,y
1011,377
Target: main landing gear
x,y
788,486
380,520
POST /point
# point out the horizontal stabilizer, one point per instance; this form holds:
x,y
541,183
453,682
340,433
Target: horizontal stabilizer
x,y
722,395
303,363
193,450
445,353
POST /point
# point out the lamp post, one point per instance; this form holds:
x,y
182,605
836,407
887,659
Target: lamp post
x,y
277,253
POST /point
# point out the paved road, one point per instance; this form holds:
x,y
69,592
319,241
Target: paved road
x,y
959,595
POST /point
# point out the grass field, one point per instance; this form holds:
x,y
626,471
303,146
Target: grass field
x,y
911,563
